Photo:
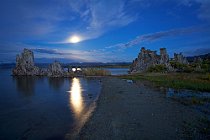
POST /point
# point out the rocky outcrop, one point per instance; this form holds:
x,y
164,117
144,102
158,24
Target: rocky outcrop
x,y
164,57
25,66
197,60
55,70
148,58
180,58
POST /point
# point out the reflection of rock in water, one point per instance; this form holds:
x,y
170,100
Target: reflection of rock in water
x,y
56,83
25,85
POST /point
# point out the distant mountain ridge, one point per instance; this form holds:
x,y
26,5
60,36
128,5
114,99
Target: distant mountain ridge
x,y
204,57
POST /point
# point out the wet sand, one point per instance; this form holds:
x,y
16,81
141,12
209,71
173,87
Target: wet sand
x,y
133,112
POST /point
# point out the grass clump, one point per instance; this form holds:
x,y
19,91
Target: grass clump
x,y
95,72
199,82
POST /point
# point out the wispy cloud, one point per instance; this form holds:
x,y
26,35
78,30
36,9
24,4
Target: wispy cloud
x,y
47,53
157,36
59,19
50,51
88,18
199,51
77,55
101,16
64,54
204,8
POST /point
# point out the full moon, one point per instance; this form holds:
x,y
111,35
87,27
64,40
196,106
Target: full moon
x,y
74,39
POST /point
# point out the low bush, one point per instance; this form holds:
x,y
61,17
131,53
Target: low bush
x,y
157,68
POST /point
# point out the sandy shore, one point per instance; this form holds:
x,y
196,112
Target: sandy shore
x,y
129,111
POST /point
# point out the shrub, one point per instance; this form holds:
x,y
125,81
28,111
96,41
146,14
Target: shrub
x,y
157,68
187,68
206,67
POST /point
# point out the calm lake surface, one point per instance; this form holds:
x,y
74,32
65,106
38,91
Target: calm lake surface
x,y
118,71
44,108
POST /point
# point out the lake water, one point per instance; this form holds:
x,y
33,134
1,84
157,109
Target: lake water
x,y
118,71
38,108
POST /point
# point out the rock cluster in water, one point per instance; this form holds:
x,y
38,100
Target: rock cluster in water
x,y
148,58
25,66
55,70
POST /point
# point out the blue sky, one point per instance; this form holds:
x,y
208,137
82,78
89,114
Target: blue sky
x,y
109,30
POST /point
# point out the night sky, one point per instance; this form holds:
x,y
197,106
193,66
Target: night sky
x,y
107,30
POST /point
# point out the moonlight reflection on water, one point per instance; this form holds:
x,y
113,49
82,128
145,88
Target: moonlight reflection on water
x,y
76,99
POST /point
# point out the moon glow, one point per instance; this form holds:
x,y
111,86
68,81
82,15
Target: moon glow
x,y
74,39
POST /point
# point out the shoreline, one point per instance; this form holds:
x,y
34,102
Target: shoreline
x,y
128,111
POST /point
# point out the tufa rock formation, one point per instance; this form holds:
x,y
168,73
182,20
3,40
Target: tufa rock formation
x,y
164,57
148,58
25,66
55,70
197,63
180,58
197,60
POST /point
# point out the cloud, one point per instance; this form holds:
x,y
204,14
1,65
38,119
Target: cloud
x,y
47,53
203,10
198,51
40,19
157,36
98,55
76,55
61,54
50,51
101,16
55,21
